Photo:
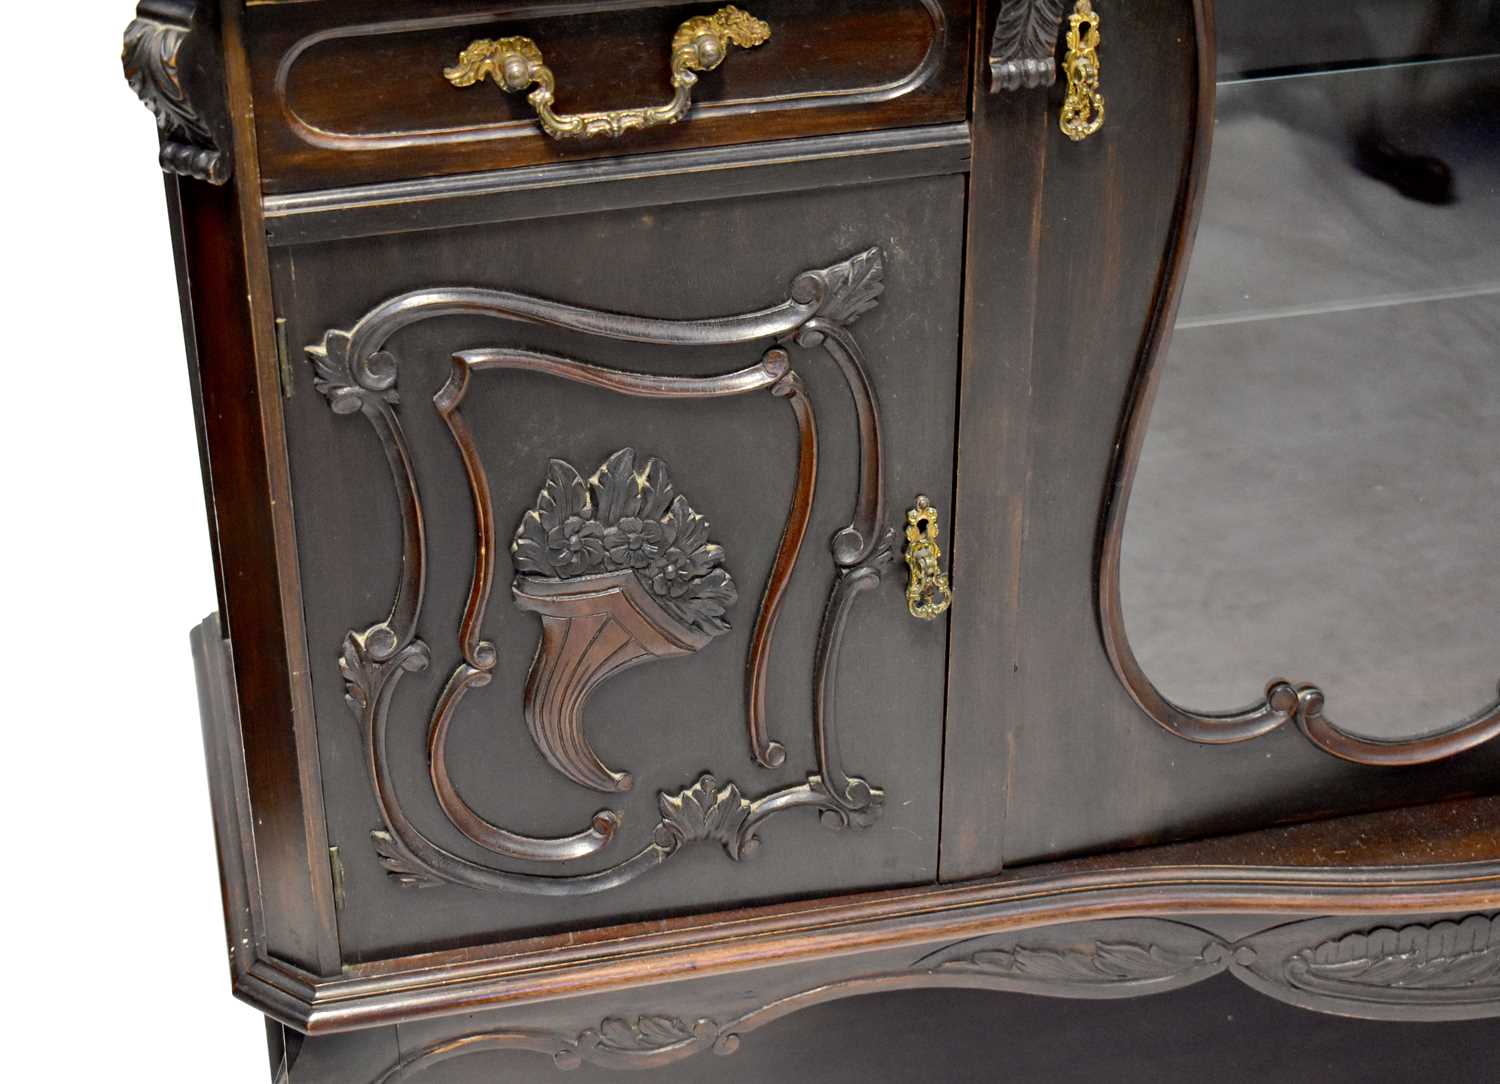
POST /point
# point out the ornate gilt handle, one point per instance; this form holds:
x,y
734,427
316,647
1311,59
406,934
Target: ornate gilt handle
x,y
1083,109
699,45
927,592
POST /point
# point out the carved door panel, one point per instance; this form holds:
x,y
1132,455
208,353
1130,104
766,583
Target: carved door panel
x,y
597,529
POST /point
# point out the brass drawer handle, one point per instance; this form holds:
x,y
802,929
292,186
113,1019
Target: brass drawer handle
x,y
699,45
1083,109
928,595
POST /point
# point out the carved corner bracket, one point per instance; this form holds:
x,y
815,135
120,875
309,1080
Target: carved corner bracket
x,y
172,63
1023,52
1442,970
576,555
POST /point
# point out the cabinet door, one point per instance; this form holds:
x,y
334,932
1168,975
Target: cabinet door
x,y
599,554
1306,522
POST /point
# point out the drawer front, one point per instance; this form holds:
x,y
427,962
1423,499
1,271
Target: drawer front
x,y
354,93
607,613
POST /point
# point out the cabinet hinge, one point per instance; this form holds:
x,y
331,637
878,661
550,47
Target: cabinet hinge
x,y
284,360
336,867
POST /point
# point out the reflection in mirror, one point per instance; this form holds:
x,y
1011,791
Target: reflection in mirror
x,y
1318,494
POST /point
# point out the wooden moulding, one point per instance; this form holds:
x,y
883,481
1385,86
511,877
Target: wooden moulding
x,y
1432,860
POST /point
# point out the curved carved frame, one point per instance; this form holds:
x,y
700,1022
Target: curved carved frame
x,y
357,374
1442,970
1284,701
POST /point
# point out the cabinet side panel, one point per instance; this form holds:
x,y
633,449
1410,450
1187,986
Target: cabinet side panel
x,y
213,256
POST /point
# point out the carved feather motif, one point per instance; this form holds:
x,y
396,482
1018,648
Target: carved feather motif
x,y
1448,955
1102,962
1023,53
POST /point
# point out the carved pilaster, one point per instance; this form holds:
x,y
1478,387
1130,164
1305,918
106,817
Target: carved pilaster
x,y
172,63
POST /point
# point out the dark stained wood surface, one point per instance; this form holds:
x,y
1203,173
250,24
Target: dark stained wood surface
x,y
1425,860
672,721
1065,271
1046,393
1215,1030
354,92
246,536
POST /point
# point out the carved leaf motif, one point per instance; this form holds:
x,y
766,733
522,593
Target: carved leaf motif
x,y
529,548
853,287
655,489
564,495
359,673
335,379
1446,955
398,866
1024,49
646,1033
150,59
705,812
1104,962
614,492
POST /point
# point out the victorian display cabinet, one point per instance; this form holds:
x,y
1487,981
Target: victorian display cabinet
x,y
694,542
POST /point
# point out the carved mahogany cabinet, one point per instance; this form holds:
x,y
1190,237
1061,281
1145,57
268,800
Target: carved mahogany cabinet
x,y
673,561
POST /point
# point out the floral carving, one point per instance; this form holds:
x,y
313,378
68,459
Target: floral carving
x,y
627,517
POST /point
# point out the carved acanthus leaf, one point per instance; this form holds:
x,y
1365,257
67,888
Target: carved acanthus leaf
x,y
644,1034
1098,962
852,288
1447,955
169,65
398,865
704,811
1024,50
344,384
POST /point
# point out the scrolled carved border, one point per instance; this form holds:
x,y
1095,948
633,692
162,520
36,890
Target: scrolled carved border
x,y
171,62
357,374
1442,970
1284,701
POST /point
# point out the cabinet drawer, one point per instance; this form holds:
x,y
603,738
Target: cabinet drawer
x,y
605,601
351,93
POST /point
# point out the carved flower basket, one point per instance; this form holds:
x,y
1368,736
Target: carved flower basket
x,y
620,570
593,627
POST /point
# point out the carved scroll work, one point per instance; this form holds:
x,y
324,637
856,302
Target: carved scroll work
x,y
1448,970
1284,701
172,64
1024,50
357,373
